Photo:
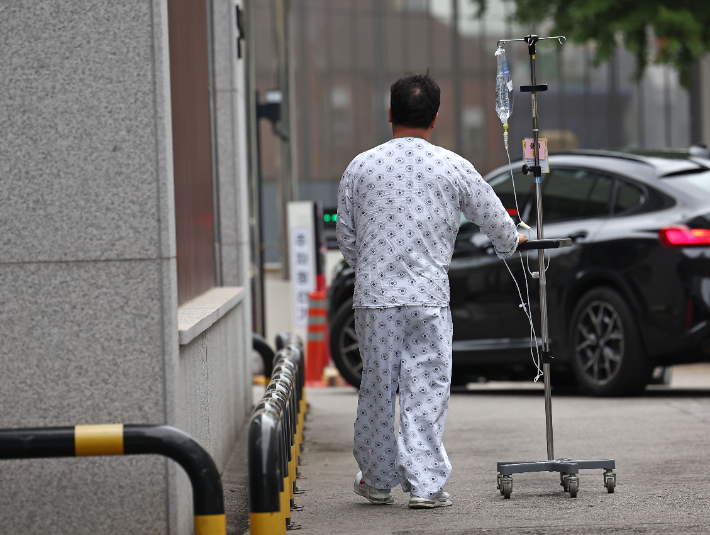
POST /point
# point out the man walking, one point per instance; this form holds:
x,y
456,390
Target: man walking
x,y
399,207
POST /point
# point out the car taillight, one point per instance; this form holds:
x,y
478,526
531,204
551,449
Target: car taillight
x,y
682,236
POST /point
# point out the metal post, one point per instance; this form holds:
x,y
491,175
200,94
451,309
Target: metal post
x,y
667,107
615,124
641,115
252,98
305,119
456,75
258,234
285,155
541,259
378,8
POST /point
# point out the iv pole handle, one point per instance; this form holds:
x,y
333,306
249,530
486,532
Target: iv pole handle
x,y
545,244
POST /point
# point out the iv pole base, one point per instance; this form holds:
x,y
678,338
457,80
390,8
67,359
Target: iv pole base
x,y
567,468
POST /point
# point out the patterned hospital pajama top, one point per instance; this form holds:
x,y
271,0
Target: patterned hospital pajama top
x,y
399,209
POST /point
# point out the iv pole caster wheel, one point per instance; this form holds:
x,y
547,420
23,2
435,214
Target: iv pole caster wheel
x,y
565,481
506,486
572,485
609,481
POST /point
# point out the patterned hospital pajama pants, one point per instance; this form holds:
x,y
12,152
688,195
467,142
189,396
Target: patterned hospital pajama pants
x,y
409,346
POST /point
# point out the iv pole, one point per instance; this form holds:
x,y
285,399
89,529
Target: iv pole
x,y
567,468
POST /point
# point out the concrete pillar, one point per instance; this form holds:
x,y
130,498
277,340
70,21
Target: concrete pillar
x,y
88,285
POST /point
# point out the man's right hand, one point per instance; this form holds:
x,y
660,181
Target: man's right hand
x,y
522,238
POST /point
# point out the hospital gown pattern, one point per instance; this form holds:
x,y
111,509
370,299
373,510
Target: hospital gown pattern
x,y
399,207
409,346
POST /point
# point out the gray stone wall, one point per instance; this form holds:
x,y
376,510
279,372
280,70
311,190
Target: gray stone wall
x,y
88,288
210,387
232,164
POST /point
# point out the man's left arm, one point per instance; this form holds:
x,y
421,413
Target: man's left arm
x,y
489,215
345,227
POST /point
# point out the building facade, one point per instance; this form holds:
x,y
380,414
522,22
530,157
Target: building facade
x,y
120,123
346,54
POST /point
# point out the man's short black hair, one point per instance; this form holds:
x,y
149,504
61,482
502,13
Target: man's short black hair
x,y
414,100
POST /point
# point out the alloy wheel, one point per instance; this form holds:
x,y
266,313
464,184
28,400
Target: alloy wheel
x,y
599,342
348,346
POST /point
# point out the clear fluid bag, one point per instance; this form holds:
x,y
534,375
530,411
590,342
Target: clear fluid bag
x,y
504,88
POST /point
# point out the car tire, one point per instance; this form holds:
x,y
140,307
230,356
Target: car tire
x,y
563,381
344,345
606,354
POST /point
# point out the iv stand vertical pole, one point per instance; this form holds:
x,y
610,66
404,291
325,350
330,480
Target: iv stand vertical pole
x,y
532,39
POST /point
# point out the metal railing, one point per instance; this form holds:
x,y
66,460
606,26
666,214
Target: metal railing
x,y
274,442
119,439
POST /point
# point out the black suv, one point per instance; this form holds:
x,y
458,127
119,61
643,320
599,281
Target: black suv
x,y
632,293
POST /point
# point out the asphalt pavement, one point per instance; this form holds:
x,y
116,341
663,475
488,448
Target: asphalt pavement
x,y
660,441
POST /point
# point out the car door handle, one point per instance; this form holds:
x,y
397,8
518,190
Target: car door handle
x,y
578,236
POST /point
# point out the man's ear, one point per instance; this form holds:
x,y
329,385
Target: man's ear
x,y
390,113
432,123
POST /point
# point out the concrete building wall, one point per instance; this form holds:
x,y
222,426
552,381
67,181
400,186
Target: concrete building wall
x,y
213,379
88,284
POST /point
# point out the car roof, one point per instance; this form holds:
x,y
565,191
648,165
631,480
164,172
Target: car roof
x,y
647,167
663,163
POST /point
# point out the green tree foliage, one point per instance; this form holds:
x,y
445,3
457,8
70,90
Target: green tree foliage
x,y
674,32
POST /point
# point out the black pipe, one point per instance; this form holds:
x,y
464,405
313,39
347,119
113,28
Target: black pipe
x,y
265,476
37,443
261,346
164,440
285,361
274,430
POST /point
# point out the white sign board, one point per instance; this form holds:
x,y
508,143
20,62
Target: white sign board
x,y
529,153
301,229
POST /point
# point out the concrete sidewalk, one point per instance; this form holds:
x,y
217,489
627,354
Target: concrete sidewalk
x,y
659,441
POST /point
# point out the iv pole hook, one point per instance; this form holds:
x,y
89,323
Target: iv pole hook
x,y
560,39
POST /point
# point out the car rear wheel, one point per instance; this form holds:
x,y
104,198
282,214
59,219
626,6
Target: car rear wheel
x,y
607,355
344,345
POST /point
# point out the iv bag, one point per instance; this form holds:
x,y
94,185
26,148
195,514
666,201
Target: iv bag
x,y
504,88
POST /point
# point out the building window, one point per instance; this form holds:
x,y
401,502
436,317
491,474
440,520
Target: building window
x,y
192,149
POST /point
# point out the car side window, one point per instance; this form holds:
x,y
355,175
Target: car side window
x,y
503,187
597,204
570,194
627,197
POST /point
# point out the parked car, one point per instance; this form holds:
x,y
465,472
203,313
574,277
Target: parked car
x,y
631,294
